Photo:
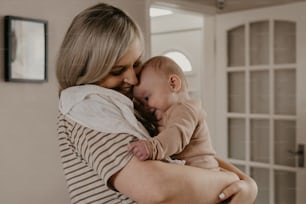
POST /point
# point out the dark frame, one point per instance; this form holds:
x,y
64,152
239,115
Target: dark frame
x,y
25,49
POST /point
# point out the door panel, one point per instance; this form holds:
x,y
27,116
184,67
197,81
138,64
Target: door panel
x,y
261,72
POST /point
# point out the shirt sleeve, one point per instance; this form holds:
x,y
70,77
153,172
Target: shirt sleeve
x,y
106,153
179,127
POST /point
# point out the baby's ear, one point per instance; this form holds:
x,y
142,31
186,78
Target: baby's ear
x,y
175,83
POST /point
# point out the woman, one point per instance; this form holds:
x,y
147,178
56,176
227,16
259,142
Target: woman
x,y
97,67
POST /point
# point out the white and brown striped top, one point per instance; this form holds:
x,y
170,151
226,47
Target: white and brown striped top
x,y
89,160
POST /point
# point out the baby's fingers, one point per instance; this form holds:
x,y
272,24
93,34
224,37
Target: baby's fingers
x,y
139,150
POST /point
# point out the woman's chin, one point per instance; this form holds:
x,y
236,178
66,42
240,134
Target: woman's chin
x,y
127,93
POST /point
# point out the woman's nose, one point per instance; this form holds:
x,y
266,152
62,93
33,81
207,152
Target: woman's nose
x,y
130,77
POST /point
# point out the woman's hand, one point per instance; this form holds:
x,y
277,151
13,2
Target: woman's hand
x,y
242,191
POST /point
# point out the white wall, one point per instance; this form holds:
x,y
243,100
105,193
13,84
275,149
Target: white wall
x,y
30,168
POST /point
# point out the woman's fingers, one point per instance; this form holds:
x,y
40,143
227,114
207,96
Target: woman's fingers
x,y
238,192
222,196
231,191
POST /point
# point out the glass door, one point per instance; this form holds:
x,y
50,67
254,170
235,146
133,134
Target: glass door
x,y
260,97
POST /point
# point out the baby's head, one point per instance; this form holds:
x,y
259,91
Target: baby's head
x,y
162,83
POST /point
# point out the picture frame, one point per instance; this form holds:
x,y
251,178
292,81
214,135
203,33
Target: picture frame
x,y
25,49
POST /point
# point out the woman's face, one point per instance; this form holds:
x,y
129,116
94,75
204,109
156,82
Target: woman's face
x,y
123,75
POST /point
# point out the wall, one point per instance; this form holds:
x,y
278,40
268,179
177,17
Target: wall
x,y
30,169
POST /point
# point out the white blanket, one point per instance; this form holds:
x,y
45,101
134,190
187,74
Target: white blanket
x,y
101,109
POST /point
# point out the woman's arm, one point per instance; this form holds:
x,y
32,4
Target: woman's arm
x,y
242,191
158,182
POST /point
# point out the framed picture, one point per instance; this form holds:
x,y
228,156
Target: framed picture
x,y
25,49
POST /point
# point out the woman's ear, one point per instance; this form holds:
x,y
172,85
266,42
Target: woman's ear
x,y
175,83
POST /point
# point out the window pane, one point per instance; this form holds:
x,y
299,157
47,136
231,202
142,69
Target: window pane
x,y
259,92
261,176
260,140
285,186
236,92
236,134
284,42
259,43
236,46
285,92
284,141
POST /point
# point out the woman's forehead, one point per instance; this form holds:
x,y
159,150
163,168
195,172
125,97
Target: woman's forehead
x,y
133,53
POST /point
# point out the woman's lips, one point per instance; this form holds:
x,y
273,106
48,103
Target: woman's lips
x,y
126,90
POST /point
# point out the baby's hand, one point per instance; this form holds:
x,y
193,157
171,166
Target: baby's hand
x,y
140,149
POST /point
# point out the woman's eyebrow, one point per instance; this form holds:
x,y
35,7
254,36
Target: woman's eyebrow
x,y
118,66
127,64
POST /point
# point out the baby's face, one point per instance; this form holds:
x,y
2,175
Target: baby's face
x,y
154,91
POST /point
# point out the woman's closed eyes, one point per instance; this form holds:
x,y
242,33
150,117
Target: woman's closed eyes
x,y
118,70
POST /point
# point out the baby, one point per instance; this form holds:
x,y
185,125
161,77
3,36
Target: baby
x,y
183,132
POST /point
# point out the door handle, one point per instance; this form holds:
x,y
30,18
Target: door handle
x,y
300,153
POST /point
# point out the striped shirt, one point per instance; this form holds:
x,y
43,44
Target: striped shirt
x,y
90,158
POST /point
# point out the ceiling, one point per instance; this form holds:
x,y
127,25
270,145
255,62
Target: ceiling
x,y
238,5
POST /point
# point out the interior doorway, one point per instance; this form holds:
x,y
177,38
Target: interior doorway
x,y
179,35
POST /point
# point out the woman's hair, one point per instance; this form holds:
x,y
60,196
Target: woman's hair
x,y
167,66
97,38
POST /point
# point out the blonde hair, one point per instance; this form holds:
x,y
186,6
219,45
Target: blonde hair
x,y
166,66
96,39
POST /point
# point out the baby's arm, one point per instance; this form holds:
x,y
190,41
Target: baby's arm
x,y
141,149
173,137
